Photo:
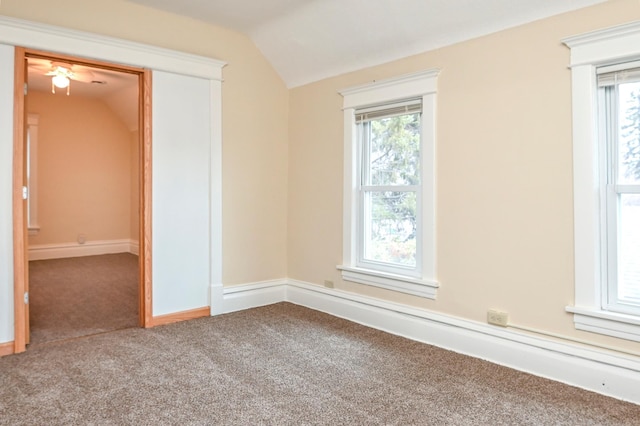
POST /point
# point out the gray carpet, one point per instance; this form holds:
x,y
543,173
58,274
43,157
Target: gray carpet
x,y
280,365
80,296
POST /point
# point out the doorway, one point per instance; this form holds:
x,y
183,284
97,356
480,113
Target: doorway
x,y
83,76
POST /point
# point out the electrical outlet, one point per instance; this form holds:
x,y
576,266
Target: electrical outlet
x,y
497,317
328,283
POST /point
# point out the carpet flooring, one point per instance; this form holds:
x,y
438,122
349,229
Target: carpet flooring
x,y
280,365
81,296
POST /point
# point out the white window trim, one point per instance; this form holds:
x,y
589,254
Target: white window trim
x,y
588,51
32,124
421,84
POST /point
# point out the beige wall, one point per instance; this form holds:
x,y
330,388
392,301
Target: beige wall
x,y
255,104
504,174
84,177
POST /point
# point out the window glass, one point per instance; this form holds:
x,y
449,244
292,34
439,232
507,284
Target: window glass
x,y
394,151
628,149
390,230
628,262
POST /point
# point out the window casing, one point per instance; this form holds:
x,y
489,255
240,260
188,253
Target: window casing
x,y
389,193
598,192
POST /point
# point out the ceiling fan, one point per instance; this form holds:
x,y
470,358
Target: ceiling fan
x,y
61,73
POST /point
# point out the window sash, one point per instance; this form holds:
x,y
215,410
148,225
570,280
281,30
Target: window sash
x,y
611,193
363,118
364,138
366,261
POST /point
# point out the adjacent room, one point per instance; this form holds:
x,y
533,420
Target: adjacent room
x,y
320,212
83,200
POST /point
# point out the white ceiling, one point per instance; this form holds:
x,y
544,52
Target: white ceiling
x,y
308,40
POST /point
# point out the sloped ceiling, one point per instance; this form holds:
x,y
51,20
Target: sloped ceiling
x,y
308,40
118,90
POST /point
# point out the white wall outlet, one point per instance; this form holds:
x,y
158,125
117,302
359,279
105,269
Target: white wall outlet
x,y
82,239
497,317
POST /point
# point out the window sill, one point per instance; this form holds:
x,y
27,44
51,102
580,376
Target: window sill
x,y
399,283
607,323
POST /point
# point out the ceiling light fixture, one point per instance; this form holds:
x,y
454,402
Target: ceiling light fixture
x,y
60,79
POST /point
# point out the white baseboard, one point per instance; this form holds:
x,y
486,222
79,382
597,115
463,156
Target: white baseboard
x,y
592,369
134,247
90,248
246,296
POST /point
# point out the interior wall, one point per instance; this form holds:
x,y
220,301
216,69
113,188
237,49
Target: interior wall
x,y
503,179
181,153
254,111
6,193
84,170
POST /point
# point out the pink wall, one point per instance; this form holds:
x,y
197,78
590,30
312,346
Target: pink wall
x,y
84,171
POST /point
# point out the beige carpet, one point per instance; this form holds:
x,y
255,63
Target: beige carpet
x,y
280,365
82,295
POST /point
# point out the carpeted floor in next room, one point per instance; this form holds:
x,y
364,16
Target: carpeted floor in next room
x,y
280,365
81,296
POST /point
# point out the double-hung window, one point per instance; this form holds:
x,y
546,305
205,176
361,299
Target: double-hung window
x,y
389,187
619,165
389,200
605,74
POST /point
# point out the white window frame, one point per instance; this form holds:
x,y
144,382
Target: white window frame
x,y
32,174
416,85
588,52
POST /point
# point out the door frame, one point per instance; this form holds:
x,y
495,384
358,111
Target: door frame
x,y
20,246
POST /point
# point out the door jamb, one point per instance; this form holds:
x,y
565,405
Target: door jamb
x,y
20,258
20,261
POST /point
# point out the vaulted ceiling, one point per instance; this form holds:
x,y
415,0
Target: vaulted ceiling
x,y
308,40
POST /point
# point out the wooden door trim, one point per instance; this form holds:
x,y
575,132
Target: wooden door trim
x,y
20,258
181,316
144,257
61,57
20,261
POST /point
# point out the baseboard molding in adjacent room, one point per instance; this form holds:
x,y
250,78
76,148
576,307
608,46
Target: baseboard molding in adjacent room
x,y
90,248
134,247
593,369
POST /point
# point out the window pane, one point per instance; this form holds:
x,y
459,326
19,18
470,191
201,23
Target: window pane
x,y
390,231
394,150
629,134
629,249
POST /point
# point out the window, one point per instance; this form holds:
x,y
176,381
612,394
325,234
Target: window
x,y
605,74
389,208
389,187
32,174
619,137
